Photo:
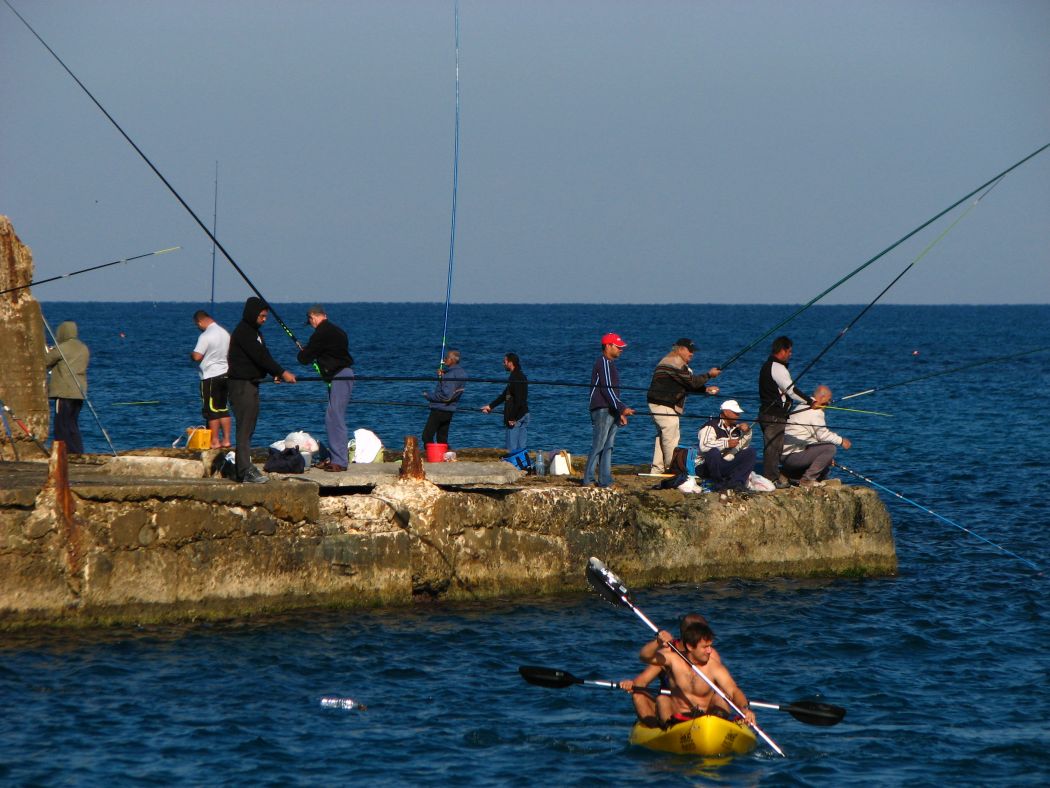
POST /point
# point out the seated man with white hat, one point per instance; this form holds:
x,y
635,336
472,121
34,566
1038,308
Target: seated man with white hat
x,y
724,445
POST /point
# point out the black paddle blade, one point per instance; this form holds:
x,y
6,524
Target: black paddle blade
x,y
548,677
813,712
608,585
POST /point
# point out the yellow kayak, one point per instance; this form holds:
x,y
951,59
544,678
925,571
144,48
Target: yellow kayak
x,y
707,735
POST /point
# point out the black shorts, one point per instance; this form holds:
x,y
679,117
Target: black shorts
x,y
214,401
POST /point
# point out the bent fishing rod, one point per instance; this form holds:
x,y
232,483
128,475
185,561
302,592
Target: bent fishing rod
x,y
158,173
881,254
455,193
92,268
944,372
896,279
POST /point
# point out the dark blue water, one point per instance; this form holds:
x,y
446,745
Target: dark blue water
x,y
943,669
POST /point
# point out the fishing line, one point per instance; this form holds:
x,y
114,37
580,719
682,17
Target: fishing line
x,y
157,172
896,279
938,516
92,268
77,383
885,251
455,191
944,372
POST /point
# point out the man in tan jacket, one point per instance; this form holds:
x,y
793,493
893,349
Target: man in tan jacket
x,y
68,362
672,381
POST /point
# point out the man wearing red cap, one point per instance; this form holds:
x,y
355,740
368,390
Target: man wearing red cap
x,y
608,412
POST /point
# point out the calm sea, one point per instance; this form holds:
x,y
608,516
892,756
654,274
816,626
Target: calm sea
x,y
943,669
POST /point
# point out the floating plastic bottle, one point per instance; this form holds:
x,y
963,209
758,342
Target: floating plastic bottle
x,y
342,703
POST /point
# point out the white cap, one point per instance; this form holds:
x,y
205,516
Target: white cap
x,y
733,405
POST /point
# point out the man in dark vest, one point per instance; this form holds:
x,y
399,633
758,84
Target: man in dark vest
x,y
776,390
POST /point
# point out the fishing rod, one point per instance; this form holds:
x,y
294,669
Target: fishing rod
x,y
881,254
896,279
455,192
214,229
463,409
944,372
22,425
8,434
858,410
92,268
77,383
874,483
158,173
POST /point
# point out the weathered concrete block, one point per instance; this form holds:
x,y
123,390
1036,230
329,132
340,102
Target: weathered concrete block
x,y
125,527
154,467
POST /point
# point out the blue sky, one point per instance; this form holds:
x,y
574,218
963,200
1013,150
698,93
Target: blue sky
x,y
644,152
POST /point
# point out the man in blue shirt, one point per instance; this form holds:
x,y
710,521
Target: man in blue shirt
x,y
608,412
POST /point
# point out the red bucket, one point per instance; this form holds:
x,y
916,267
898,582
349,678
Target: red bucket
x,y
436,452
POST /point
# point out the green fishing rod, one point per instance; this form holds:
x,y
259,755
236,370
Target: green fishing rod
x,y
881,254
92,268
944,372
896,279
163,180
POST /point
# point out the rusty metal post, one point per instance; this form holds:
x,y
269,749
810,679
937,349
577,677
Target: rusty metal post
x,y
411,462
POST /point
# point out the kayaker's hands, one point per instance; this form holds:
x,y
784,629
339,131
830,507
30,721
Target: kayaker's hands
x,y
749,716
627,685
664,637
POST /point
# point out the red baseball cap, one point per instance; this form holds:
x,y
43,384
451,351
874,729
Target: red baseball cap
x,y
613,339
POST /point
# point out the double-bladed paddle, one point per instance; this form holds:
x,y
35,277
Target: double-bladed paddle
x,y
810,712
612,589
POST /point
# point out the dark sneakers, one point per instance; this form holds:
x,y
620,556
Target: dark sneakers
x,y
254,476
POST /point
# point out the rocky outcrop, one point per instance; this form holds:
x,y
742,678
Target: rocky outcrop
x,y
22,385
124,548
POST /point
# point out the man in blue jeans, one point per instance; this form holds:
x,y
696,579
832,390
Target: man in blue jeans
x,y
329,349
608,412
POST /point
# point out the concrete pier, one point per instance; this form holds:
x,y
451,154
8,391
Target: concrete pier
x,y
157,538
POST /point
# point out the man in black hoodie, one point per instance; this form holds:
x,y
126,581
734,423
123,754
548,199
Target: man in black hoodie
x,y
330,349
249,362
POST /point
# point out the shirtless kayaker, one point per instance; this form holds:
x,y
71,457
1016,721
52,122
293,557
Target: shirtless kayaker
x,y
690,695
646,706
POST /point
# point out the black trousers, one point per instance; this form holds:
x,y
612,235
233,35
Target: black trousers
x,y
437,425
67,427
773,434
244,402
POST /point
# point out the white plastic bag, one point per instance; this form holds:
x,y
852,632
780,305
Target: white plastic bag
x,y
759,483
366,446
301,441
690,486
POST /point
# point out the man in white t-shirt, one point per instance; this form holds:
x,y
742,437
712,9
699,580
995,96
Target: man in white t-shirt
x,y
210,353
